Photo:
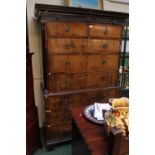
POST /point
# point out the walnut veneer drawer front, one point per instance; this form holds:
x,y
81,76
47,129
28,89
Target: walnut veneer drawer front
x,y
67,45
57,117
105,31
66,82
101,79
58,132
103,46
102,95
57,29
56,103
102,62
60,103
70,82
67,63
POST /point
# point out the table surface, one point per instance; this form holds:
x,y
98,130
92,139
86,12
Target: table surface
x,y
93,134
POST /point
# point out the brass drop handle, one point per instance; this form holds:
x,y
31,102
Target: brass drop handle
x,y
105,32
103,78
68,30
105,46
67,63
48,126
82,46
104,62
48,111
67,82
49,74
65,101
69,46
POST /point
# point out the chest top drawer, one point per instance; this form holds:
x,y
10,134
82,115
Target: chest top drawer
x,y
105,31
57,29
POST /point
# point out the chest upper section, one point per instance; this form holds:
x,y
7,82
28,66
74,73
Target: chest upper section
x,y
80,37
81,29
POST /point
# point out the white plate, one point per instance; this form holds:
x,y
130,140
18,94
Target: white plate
x,y
89,114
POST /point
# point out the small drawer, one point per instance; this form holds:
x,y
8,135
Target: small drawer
x,y
57,117
103,46
56,29
77,100
102,62
67,46
97,96
102,79
66,82
67,63
114,93
56,103
58,131
105,31
102,95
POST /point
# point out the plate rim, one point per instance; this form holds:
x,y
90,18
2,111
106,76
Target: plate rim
x,y
90,118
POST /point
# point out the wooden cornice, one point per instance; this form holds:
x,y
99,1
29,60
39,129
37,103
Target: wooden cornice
x,y
47,12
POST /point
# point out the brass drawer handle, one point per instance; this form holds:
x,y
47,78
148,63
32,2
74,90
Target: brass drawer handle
x,y
105,45
67,82
67,63
69,46
66,101
49,74
48,111
104,62
103,78
68,30
48,126
105,32
82,46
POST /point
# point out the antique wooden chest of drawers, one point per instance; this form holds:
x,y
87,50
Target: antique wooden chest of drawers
x,y
81,55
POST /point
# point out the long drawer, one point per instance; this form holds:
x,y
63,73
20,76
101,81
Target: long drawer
x,y
82,63
105,31
70,82
66,29
75,46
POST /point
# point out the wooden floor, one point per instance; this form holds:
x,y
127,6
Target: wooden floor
x,y
60,150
